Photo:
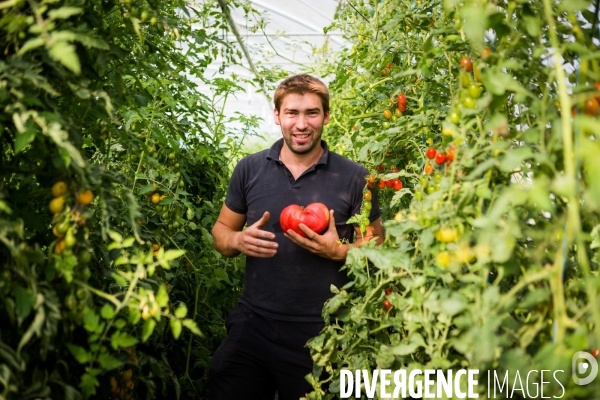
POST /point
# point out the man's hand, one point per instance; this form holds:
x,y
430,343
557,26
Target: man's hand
x,y
326,245
251,241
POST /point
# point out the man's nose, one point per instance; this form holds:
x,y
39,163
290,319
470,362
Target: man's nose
x,y
301,122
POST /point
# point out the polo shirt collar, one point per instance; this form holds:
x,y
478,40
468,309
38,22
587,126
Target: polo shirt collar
x,y
273,153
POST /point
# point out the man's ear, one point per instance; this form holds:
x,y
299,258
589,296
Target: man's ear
x,y
326,119
276,117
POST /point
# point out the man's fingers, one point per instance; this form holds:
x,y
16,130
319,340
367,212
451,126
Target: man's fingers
x,y
258,233
261,243
331,221
262,221
308,232
261,252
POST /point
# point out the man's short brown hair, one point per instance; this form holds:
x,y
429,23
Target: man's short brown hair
x,y
301,84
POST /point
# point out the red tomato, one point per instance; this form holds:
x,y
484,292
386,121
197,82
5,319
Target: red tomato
x,y
389,66
394,169
371,181
397,184
402,107
381,184
428,169
380,167
431,153
315,216
440,158
388,290
466,64
594,352
451,153
401,99
389,183
387,305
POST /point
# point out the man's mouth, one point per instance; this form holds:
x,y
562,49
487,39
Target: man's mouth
x,y
301,136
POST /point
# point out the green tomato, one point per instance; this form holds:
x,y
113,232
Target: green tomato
x,y
465,80
386,125
86,273
454,117
423,182
437,177
418,195
430,189
158,208
474,90
468,102
367,205
85,257
70,239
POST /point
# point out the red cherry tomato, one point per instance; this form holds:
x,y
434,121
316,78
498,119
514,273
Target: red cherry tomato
x,y
466,64
388,290
402,107
397,184
401,99
594,352
380,168
387,305
389,183
394,169
381,184
440,158
315,216
431,153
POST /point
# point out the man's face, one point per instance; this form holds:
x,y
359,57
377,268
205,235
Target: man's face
x,y
301,118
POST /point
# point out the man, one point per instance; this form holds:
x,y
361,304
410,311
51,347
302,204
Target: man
x,y
287,277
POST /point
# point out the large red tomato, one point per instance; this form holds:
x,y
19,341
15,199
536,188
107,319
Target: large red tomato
x,y
315,216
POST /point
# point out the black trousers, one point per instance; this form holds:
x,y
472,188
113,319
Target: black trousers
x,y
261,356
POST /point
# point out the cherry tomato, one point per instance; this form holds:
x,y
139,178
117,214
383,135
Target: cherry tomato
x,y
387,305
398,113
591,107
394,169
371,181
437,177
418,195
454,117
397,184
474,90
468,102
451,153
428,169
423,182
466,64
595,353
387,114
389,183
430,153
368,196
367,205
402,107
384,72
388,290
386,125
380,168
401,99
465,80
389,66
440,158
485,53
381,184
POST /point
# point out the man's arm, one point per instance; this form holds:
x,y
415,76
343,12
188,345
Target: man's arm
x,y
328,244
230,239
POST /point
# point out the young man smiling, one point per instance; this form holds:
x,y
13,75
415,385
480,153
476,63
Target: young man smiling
x,y
288,277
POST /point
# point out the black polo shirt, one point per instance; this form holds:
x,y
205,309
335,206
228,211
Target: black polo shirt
x,y
294,284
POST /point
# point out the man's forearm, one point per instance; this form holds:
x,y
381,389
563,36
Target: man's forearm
x,y
224,239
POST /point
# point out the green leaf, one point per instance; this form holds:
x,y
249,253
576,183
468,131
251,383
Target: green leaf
x,y
108,362
107,311
220,273
66,54
162,297
385,258
148,329
91,320
146,189
192,326
533,25
175,327
173,254
573,5
181,311
22,139
122,339
30,45
24,299
64,12
88,385
475,23
80,354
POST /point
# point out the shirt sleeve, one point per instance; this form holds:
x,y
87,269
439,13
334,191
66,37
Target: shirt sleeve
x,y
236,194
357,196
